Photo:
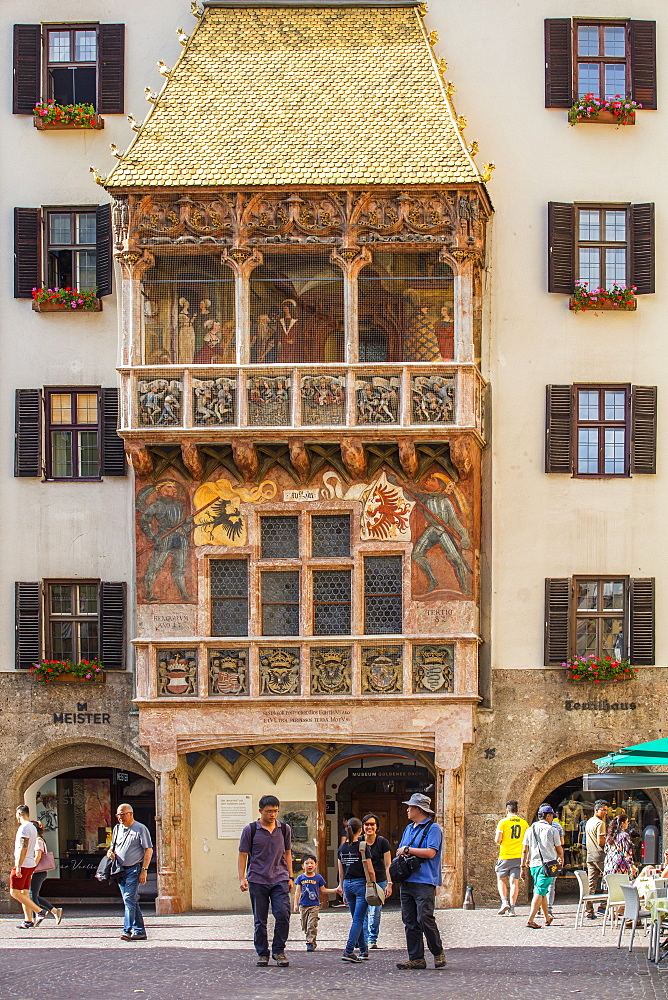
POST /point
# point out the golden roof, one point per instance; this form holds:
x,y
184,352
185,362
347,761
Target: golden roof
x,y
301,95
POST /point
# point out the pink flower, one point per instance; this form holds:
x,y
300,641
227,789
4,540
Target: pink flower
x,y
73,304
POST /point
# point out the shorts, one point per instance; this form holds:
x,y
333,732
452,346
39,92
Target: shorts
x,y
508,867
21,881
541,882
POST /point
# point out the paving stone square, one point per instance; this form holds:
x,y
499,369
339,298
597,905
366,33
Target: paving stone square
x,y
210,957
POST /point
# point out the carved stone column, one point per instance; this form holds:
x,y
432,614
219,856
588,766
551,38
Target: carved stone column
x,y
172,794
242,260
133,265
451,737
351,260
466,259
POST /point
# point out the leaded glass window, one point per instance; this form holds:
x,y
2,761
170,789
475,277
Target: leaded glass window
x,y
331,602
382,595
229,597
279,537
330,535
280,602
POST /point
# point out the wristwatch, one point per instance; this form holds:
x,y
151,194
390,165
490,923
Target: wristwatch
x,y
144,869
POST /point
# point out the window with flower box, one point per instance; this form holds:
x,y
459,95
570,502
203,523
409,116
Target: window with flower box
x,y
70,63
65,619
605,57
600,616
601,431
604,245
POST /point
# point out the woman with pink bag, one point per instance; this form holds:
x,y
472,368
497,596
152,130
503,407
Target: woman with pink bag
x,y
45,864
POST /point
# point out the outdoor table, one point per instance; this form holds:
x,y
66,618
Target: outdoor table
x,y
658,909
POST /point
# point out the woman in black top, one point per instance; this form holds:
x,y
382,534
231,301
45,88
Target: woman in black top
x,y
352,884
379,851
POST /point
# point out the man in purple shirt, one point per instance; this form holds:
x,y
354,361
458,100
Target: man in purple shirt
x,y
265,871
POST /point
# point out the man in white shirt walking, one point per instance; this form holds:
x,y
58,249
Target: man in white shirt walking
x,y
542,843
24,865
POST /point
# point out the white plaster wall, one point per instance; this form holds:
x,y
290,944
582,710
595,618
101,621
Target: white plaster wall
x,y
214,862
544,525
60,529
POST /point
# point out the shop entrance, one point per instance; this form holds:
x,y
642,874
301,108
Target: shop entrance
x,y
77,809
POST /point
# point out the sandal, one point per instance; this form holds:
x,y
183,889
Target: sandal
x,y
548,921
535,927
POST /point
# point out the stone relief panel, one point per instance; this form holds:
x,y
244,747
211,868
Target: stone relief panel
x,y
160,402
331,670
381,669
177,672
279,671
214,401
323,399
184,220
433,669
433,399
377,399
228,672
269,401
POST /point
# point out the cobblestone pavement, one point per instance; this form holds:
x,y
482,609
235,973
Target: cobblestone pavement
x,y
204,956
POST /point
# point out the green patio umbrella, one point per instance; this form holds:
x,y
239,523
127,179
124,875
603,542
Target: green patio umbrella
x,y
642,755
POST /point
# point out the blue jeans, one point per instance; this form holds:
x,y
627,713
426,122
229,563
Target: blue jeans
x,y
373,919
354,891
134,920
279,897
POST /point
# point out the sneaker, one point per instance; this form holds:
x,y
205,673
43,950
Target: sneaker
x,y
26,925
138,936
511,912
58,914
600,909
364,955
590,916
373,945
417,963
549,910
126,936
281,960
39,917
263,960
349,957
310,947
439,961
503,909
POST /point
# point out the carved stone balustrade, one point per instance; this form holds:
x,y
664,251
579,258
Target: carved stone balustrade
x,y
218,399
243,669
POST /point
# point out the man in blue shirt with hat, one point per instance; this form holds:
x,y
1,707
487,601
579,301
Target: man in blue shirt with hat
x,y
422,838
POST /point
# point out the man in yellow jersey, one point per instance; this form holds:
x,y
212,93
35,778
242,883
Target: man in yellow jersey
x,y
509,836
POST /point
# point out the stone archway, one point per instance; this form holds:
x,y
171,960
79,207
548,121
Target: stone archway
x,y
80,754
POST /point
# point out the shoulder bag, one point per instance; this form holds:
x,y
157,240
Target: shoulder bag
x,y
375,894
47,862
548,868
403,867
109,870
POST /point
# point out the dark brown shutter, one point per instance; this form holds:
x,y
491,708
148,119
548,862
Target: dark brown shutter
x,y
558,62
559,429
28,433
641,645
561,247
113,451
111,69
643,63
27,67
112,625
642,248
643,430
28,624
27,257
104,262
557,597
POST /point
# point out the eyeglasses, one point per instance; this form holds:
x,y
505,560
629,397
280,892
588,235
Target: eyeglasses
x,y
126,813
370,824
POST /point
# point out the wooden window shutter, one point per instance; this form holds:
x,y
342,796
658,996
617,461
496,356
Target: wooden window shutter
x,y
561,247
104,262
642,248
643,430
559,429
641,645
27,255
113,450
112,625
28,624
558,62
557,598
28,433
111,69
27,67
643,63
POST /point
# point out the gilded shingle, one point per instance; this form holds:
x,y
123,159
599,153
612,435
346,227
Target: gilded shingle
x,y
295,95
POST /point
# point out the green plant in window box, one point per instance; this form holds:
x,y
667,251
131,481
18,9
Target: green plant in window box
x,y
617,297
79,115
68,298
620,109
598,668
51,670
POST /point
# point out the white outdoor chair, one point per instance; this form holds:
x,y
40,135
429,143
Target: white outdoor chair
x,y
586,896
615,898
632,911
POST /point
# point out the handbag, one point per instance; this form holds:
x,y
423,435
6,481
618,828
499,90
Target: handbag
x,y
47,862
548,868
374,893
403,867
109,871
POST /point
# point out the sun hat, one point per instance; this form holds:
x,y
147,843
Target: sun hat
x,y
423,802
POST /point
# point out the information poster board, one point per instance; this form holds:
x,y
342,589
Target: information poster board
x,y
233,812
